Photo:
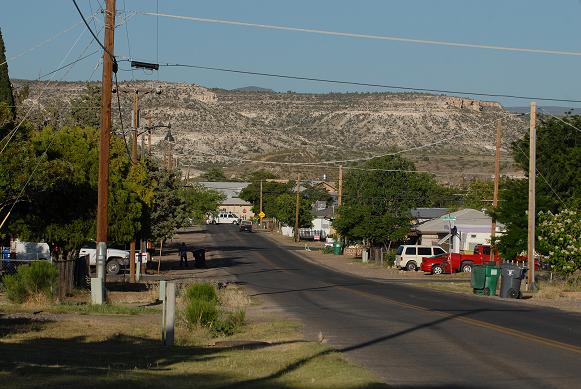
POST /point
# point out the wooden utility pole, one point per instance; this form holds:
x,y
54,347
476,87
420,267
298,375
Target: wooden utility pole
x,y
532,190
260,214
496,186
298,206
340,190
105,130
134,161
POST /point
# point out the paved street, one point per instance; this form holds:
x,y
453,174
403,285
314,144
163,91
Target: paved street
x,y
410,336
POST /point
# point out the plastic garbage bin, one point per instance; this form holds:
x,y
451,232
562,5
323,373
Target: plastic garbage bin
x,y
199,258
337,248
484,279
511,277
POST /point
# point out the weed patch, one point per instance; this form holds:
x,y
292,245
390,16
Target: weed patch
x,y
202,310
35,281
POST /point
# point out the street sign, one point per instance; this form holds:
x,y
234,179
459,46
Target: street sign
x,y
261,214
448,218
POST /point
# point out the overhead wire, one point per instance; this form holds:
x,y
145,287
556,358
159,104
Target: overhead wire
x,y
368,84
367,36
13,132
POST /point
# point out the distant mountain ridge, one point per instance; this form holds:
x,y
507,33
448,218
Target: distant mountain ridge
x,y
227,126
252,88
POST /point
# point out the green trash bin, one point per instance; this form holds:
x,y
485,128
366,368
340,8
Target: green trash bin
x,y
337,248
484,279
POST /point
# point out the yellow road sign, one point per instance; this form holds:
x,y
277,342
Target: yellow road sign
x,y
261,214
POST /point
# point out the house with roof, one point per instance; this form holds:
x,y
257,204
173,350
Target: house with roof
x,y
472,227
233,203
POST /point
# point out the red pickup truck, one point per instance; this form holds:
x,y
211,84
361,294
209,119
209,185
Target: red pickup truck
x,y
454,263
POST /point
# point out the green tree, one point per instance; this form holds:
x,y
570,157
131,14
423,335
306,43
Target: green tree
x,y
214,174
59,202
200,201
479,194
284,209
168,211
558,183
7,106
560,239
258,175
86,109
377,202
270,191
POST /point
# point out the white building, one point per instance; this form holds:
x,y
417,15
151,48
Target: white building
x,y
473,227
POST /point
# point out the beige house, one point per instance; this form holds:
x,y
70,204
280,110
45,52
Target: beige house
x,y
232,203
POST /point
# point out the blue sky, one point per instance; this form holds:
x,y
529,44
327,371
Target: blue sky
x,y
518,23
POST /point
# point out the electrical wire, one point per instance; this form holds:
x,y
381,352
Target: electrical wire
x,y
45,42
92,33
12,133
127,36
561,120
374,85
366,36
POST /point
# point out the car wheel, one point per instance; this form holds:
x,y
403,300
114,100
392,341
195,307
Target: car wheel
x,y
113,267
437,270
411,266
467,268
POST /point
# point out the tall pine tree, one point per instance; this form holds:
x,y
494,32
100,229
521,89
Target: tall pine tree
x,y
6,96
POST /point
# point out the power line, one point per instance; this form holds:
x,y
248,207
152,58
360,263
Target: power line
x,y
561,120
367,36
374,85
45,42
92,33
12,133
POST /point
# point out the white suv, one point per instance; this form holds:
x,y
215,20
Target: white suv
x,y
409,257
226,218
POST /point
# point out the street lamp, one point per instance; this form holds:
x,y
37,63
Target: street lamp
x,y
169,139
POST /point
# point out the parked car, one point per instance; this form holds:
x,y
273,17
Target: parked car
x,y
438,264
226,218
115,258
409,257
246,225
455,263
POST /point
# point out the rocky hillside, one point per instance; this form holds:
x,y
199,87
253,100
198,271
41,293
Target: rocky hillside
x,y
215,125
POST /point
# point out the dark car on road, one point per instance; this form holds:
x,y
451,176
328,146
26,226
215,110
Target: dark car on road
x,y
246,225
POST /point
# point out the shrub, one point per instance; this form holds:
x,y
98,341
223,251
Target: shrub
x,y
231,324
202,310
39,278
201,291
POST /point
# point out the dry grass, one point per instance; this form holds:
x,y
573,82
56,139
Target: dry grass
x,y
72,350
234,297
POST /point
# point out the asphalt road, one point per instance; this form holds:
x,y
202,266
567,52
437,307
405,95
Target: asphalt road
x,y
411,336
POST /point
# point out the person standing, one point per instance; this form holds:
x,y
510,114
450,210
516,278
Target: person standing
x,y
183,255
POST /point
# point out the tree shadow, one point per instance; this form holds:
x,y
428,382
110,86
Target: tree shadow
x,y
301,362
116,362
21,325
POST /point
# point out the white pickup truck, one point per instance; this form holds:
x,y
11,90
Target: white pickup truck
x,y
115,257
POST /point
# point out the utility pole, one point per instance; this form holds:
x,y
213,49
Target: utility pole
x,y
260,214
104,144
496,186
532,206
298,206
340,190
134,162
